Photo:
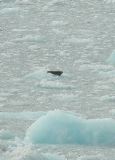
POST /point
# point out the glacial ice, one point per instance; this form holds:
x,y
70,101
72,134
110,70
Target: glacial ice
x,y
21,115
111,59
23,2
6,134
59,127
9,10
29,152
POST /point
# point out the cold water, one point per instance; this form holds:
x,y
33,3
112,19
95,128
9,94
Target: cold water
x,y
67,117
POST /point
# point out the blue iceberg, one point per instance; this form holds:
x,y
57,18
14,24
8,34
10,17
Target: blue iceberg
x,y
59,127
6,134
111,59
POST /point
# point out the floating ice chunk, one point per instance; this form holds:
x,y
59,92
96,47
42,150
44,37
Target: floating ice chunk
x,y
45,80
47,156
75,40
58,31
21,115
28,152
95,67
66,97
58,23
6,134
9,10
24,29
111,59
107,74
50,156
92,157
39,74
33,47
52,3
109,1
108,98
112,112
54,85
23,1
31,38
58,127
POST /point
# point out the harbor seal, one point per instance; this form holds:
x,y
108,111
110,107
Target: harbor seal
x,y
57,73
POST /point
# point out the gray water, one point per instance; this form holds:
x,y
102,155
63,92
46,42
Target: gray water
x,y
76,36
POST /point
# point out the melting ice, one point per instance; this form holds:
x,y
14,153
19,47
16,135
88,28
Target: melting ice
x,y
58,127
111,59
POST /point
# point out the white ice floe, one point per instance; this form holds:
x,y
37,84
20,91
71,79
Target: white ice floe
x,y
111,59
28,152
25,2
109,1
9,10
75,40
31,38
6,134
52,3
21,115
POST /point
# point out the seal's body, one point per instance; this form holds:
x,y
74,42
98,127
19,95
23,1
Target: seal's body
x,y
57,73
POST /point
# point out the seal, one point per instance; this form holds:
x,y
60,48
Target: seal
x,y
57,73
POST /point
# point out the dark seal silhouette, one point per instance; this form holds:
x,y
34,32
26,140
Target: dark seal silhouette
x,y
57,73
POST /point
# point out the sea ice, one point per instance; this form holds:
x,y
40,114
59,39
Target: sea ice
x,y
28,152
6,134
21,115
59,127
23,2
96,157
107,74
111,59
9,10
